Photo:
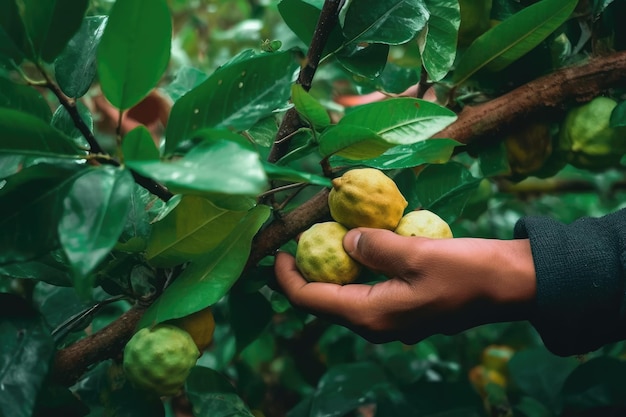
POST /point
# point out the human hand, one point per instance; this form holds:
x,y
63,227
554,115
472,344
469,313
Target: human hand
x,y
434,286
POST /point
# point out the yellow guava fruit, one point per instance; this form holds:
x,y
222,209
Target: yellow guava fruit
x,y
480,377
423,223
200,325
159,359
366,197
320,255
587,137
496,357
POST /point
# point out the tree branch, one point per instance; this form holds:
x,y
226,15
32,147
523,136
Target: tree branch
x,y
291,122
552,91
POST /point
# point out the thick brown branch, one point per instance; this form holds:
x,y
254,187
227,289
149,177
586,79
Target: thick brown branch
x,y
550,92
291,122
72,362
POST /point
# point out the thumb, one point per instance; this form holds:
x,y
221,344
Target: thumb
x,y
381,250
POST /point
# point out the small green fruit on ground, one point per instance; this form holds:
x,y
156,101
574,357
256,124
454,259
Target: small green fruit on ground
x,y
366,197
320,255
423,223
159,359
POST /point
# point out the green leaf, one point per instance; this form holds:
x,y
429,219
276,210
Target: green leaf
x,y
276,172
75,68
31,205
212,395
51,24
429,151
366,61
194,228
62,121
595,384
235,96
211,168
23,98
512,38
247,327
25,356
541,375
618,115
401,121
392,22
309,108
352,142
207,280
186,79
29,135
301,17
445,189
50,268
138,145
438,40
394,79
13,42
94,214
134,50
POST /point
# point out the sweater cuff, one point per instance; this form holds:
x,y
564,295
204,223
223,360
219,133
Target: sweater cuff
x,y
580,281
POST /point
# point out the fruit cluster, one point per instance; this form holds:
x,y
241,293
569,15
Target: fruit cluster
x,y
364,197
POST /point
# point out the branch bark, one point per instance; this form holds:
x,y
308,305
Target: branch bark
x,y
291,122
555,90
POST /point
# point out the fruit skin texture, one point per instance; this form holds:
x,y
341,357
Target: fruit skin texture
x,y
320,255
200,325
159,359
587,137
366,197
423,223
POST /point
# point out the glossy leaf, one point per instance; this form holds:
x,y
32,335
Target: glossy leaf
x,y
276,172
207,280
25,356
247,327
352,142
429,151
212,395
401,121
138,145
186,79
301,17
366,61
31,205
134,50
94,214
51,24
75,68
194,228
235,96
445,189
13,41
392,22
23,98
438,40
62,121
309,108
394,79
514,37
212,167
51,268
29,135
618,115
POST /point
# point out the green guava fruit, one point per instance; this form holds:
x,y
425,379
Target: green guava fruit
x,y
159,359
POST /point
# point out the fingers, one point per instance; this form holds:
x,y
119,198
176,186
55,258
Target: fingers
x,y
382,250
318,297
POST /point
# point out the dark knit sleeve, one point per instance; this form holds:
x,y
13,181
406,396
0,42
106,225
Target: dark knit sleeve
x,y
581,271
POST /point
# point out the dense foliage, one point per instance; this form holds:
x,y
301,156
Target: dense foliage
x,y
154,154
